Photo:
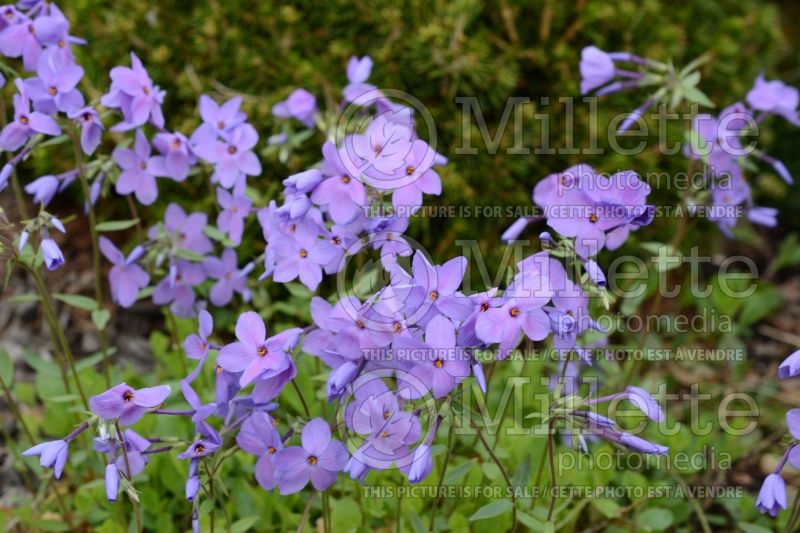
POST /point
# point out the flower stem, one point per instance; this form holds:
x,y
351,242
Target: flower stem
x,y
304,518
21,207
302,398
505,475
447,457
98,283
59,331
136,511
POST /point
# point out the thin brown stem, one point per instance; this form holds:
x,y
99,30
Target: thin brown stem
x,y
136,511
306,511
505,475
98,280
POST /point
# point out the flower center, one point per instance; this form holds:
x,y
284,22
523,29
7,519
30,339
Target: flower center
x,y
231,150
360,324
514,311
176,143
384,434
387,415
86,117
262,351
143,166
345,179
396,327
593,218
221,125
409,170
303,253
146,90
229,276
23,119
61,43
218,370
199,449
484,307
271,449
438,363
31,30
52,91
434,295
127,395
312,459
336,240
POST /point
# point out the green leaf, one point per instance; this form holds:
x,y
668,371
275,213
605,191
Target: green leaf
x,y
188,255
116,225
523,473
529,521
100,318
456,473
240,526
23,298
6,368
764,301
491,509
693,94
747,527
607,507
655,519
76,300
214,233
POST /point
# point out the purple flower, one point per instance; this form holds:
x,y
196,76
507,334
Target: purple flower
x,y
646,404
25,123
259,437
198,449
601,206
177,288
126,278
91,128
439,364
112,482
640,445
196,346
127,404
229,278
138,170
382,150
187,230
775,97
217,119
790,367
763,216
235,209
133,92
793,422
772,496
254,354
343,194
300,256
300,104
358,72
19,39
55,87
421,464
597,69
176,157
43,189
52,454
53,258
233,157
517,314
319,459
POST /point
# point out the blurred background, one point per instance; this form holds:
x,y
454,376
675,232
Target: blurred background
x,y
437,51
